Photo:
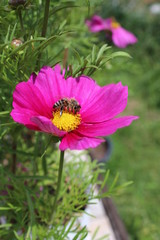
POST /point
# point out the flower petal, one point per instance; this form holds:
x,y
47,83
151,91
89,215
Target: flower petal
x,y
105,128
32,78
51,83
82,89
96,24
77,142
121,37
45,125
105,103
23,117
26,96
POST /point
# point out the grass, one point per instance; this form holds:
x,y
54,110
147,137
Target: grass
x,y
136,152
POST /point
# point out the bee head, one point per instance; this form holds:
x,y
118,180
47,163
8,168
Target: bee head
x,y
77,108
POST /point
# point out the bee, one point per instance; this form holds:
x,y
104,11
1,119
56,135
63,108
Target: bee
x,y
71,105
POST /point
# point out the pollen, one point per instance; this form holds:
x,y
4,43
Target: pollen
x,y
115,24
67,121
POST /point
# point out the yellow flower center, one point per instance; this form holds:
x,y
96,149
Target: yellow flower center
x,y
68,121
115,24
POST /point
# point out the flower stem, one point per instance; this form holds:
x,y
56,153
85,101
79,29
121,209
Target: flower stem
x,y
58,183
20,19
45,19
44,28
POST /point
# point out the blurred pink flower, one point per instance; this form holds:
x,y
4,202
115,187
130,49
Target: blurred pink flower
x,y
120,36
33,103
96,24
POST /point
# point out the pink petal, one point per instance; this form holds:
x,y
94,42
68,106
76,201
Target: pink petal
x,y
52,84
26,96
23,116
45,125
105,103
82,89
96,24
108,23
32,78
57,68
121,37
76,142
105,128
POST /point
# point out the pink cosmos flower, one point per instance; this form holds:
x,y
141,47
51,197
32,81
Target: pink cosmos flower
x,y
33,103
120,36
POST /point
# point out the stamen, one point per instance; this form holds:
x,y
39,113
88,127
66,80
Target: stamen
x,y
67,121
115,24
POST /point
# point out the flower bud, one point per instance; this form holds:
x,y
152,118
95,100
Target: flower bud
x,y
16,42
16,3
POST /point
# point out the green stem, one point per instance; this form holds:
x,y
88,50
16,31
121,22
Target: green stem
x,y
58,183
45,19
20,19
44,28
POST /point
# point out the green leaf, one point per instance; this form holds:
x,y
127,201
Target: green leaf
x,y
101,51
7,36
93,54
4,113
13,32
114,182
7,225
77,55
31,208
7,124
120,54
68,4
105,180
82,234
89,6
68,228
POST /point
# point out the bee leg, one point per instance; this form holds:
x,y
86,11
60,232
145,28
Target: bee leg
x,y
61,111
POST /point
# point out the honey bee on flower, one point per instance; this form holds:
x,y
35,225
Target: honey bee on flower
x,y
70,105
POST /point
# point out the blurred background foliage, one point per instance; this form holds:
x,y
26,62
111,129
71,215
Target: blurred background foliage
x,y
68,41
136,149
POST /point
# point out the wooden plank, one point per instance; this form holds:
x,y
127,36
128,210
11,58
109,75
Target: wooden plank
x,y
112,213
